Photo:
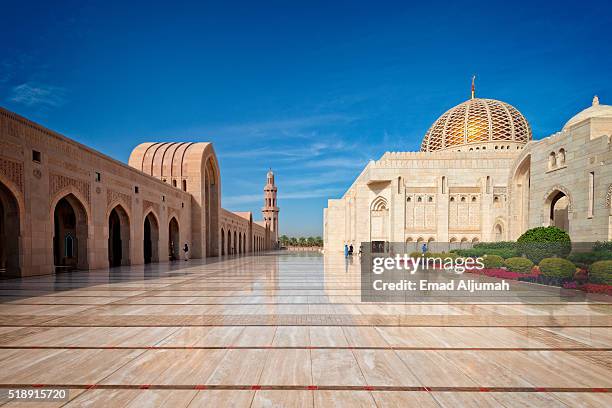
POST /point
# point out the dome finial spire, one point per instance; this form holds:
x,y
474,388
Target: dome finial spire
x,y
473,86
595,100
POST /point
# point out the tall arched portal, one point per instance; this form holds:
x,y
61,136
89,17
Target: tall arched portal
x,y
174,243
118,237
151,239
70,234
559,210
222,242
9,234
211,193
519,204
229,242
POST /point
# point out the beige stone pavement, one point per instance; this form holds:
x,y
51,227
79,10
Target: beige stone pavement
x,y
285,329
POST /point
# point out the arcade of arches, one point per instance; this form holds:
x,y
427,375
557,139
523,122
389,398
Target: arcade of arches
x,y
65,206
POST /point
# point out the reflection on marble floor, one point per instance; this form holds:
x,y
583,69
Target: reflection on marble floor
x,y
286,329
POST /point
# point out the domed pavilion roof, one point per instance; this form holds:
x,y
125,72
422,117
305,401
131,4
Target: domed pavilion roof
x,y
479,122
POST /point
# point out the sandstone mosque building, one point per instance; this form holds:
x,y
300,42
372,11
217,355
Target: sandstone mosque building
x,y
66,206
480,177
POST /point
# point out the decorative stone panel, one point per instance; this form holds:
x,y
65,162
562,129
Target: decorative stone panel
x,y
146,205
13,171
112,196
58,182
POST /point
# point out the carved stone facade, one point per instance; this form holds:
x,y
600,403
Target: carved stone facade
x,y
470,190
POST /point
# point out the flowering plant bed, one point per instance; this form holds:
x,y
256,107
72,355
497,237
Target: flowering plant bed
x,y
590,287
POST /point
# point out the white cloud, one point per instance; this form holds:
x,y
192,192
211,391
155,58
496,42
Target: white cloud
x,y
34,94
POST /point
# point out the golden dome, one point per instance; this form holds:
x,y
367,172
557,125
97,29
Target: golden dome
x,y
479,122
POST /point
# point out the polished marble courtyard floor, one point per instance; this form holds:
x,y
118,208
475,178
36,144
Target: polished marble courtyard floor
x,y
287,329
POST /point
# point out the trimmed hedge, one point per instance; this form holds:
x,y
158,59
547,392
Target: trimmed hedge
x,y
492,261
520,265
602,246
480,252
544,242
557,268
584,259
601,272
497,245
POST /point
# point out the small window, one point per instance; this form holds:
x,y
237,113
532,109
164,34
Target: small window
x,y
136,189
173,183
164,180
36,156
452,199
409,199
184,185
182,205
463,199
98,176
430,199
419,199
163,198
473,199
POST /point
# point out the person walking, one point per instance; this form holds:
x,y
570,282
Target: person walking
x,y
424,248
345,250
351,250
186,250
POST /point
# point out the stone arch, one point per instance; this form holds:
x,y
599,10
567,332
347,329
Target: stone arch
x,y
151,237
552,160
229,241
558,207
519,196
561,157
379,219
212,195
118,236
10,232
235,242
222,241
499,230
71,229
174,239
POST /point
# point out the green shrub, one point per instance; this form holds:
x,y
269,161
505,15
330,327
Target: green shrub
x,y
544,242
492,261
519,265
417,254
497,245
601,272
602,246
480,252
584,259
557,268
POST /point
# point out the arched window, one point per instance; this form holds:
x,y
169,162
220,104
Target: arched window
x,y
552,160
561,157
443,184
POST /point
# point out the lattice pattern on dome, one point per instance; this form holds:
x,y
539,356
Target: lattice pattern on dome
x,y
477,121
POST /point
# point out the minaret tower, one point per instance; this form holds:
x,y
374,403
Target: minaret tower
x,y
270,210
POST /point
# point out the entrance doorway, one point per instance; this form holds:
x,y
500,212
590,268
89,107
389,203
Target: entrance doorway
x,y
118,237
70,234
151,239
9,234
174,243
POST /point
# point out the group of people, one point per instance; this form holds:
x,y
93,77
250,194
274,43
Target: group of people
x,y
348,250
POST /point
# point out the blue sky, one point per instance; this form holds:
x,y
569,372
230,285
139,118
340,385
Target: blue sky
x,y
313,90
